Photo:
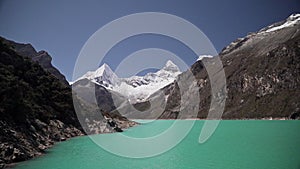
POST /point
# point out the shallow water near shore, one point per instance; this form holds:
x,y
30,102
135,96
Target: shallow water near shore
x,y
236,144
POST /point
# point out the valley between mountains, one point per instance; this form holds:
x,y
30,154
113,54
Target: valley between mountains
x,y
39,107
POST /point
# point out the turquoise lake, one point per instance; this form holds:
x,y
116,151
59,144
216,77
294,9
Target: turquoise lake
x,y
236,144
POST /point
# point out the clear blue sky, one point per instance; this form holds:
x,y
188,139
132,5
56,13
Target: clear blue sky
x,y
62,27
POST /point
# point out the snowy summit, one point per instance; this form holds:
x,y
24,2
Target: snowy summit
x,y
135,88
102,76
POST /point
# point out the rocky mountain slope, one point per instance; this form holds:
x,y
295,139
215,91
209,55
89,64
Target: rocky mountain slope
x,y
94,105
262,75
36,107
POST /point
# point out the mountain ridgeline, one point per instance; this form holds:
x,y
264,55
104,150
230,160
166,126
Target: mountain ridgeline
x,y
262,80
262,74
41,57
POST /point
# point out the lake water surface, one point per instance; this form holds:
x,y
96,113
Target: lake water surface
x,y
236,144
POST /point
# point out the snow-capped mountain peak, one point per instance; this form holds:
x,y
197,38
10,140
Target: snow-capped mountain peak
x,y
168,73
135,88
104,69
102,76
170,66
139,88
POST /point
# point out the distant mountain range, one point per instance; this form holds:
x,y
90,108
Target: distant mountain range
x,y
262,73
135,88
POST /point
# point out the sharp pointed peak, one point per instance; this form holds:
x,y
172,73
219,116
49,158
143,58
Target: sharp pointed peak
x,y
104,65
99,72
170,63
170,66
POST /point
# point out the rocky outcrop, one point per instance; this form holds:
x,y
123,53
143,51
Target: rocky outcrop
x,y
19,143
295,115
41,57
108,125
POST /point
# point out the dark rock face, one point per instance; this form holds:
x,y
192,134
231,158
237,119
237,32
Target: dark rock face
x,y
36,109
19,143
295,115
42,57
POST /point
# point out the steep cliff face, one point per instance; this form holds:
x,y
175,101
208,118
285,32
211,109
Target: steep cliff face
x,y
262,75
41,57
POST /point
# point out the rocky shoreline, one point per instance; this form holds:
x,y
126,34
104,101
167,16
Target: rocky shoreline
x,y
25,142
23,145
108,125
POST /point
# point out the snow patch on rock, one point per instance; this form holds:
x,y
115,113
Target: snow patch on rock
x,y
204,56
